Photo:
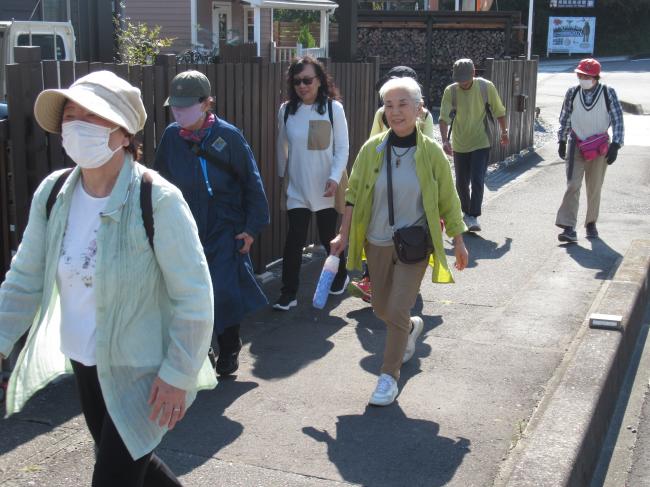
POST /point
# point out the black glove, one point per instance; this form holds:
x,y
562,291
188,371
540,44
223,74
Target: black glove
x,y
612,152
562,149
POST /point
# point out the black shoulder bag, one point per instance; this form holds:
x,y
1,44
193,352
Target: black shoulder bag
x,y
411,243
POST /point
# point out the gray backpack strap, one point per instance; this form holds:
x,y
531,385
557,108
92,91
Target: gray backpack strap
x,y
482,84
454,104
489,118
454,101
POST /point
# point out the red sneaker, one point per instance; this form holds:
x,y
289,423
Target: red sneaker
x,y
362,289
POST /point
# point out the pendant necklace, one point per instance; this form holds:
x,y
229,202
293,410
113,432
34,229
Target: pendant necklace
x,y
399,156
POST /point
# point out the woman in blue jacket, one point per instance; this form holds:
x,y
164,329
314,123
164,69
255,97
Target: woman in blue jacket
x,y
211,163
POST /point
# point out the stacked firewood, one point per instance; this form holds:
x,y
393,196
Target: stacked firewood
x,y
408,46
402,46
449,45
393,46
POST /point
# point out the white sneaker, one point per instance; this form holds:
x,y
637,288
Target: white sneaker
x,y
418,324
385,392
472,224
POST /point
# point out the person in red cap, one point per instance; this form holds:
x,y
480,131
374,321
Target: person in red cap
x,y
589,109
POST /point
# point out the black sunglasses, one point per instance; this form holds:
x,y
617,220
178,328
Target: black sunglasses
x,y
306,80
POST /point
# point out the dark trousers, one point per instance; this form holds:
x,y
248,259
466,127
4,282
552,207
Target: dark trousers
x,y
296,238
470,167
114,464
229,341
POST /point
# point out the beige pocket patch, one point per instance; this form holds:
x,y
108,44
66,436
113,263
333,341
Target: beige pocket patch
x,y
320,132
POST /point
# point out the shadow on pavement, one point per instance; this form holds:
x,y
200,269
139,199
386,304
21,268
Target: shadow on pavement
x,y
371,332
503,176
42,414
274,349
601,257
480,248
366,449
206,429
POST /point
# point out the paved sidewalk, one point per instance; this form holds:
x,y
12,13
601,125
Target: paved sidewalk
x,y
297,416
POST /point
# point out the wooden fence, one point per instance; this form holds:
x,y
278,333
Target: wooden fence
x,y
516,82
247,95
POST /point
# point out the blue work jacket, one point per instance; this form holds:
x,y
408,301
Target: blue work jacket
x,y
223,206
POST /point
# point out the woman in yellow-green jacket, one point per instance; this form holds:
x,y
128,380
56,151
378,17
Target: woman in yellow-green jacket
x,y
423,194
363,287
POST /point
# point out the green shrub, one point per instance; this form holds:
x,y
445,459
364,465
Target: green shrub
x,y
305,38
137,43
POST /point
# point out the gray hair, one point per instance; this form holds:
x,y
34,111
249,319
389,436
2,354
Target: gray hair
x,y
407,84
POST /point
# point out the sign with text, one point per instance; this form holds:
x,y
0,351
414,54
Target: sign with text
x,y
571,34
573,3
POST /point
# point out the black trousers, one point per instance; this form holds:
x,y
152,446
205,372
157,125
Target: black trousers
x,y
470,167
296,238
113,464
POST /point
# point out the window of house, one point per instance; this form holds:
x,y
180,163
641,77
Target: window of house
x,y
249,25
46,42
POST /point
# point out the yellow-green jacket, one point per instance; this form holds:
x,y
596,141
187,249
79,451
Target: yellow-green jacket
x,y
439,198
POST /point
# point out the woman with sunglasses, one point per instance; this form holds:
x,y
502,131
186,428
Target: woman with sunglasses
x,y
312,158
131,317
211,163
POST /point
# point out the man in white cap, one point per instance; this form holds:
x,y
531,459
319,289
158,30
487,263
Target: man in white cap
x,y
468,108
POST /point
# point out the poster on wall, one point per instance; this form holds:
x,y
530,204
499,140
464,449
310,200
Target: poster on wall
x,y
571,35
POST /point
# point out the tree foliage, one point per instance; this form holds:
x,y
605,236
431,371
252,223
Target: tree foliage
x,y
305,38
137,43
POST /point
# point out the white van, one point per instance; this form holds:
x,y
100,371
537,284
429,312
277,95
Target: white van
x,y
56,40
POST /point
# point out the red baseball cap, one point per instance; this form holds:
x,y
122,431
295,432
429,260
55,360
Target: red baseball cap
x,y
588,66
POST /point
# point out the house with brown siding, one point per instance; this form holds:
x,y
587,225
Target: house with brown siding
x,y
201,24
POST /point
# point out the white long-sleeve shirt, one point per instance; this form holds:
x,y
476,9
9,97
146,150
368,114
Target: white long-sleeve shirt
x,y
309,153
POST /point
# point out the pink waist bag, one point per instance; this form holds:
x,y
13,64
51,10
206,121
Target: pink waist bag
x,y
593,146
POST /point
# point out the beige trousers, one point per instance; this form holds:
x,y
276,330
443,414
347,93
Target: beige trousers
x,y
395,286
594,175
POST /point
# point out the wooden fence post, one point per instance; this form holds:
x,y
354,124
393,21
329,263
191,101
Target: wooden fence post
x,y
165,70
28,151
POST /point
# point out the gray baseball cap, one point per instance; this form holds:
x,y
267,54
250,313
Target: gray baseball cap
x,y
187,89
463,70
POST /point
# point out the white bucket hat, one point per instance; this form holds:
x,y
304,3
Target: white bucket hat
x,y
103,93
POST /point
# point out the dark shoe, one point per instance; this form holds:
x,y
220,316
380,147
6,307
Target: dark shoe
x,y
592,231
227,363
285,302
568,235
339,284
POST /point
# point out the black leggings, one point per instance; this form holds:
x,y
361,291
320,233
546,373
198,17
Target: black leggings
x,y
299,219
113,464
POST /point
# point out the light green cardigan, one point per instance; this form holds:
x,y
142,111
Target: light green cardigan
x,y
154,310
439,198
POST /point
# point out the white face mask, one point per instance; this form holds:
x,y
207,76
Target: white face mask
x,y
587,84
87,143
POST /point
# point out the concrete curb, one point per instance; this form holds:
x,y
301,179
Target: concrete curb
x,y
563,440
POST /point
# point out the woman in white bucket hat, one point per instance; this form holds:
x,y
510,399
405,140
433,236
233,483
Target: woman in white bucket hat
x,y
127,309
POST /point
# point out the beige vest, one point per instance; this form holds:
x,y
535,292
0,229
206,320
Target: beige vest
x,y
588,120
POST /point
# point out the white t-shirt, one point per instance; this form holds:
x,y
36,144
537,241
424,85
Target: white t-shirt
x,y
311,153
75,275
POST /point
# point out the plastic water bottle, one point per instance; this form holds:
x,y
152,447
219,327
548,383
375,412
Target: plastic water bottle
x,y
330,268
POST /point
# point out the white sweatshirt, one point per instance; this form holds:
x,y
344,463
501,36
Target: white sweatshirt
x,y
309,154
